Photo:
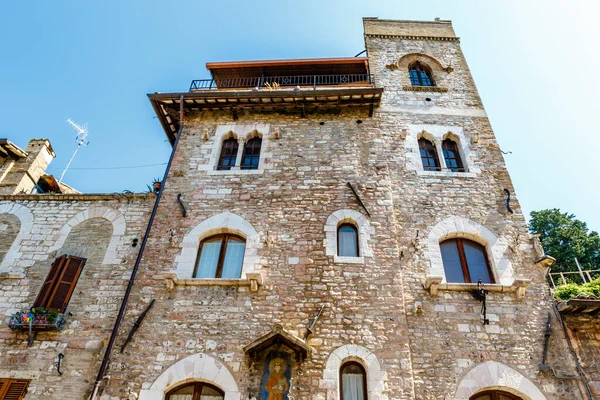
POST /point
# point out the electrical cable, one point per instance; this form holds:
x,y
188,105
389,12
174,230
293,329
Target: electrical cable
x,y
124,167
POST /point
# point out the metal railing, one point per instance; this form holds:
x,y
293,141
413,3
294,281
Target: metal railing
x,y
276,82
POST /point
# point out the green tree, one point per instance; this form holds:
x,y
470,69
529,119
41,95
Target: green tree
x,y
565,238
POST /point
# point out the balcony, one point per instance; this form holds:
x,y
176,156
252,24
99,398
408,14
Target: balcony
x,y
276,82
288,87
34,322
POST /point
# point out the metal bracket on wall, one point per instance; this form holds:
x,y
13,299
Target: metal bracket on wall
x,y
136,325
313,322
508,201
481,295
181,204
358,198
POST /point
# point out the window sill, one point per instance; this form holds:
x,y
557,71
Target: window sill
x,y
253,279
447,173
407,88
236,172
434,284
348,260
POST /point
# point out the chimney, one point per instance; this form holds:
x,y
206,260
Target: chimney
x,y
20,170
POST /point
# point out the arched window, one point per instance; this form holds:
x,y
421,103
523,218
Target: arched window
x,y
228,154
196,391
429,156
465,261
494,395
353,381
347,236
420,75
251,154
220,256
452,156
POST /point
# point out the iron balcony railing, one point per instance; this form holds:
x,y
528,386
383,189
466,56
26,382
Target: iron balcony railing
x,y
275,82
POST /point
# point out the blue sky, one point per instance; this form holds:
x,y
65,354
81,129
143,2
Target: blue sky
x,y
534,63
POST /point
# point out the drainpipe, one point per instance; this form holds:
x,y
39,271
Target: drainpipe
x,y
113,335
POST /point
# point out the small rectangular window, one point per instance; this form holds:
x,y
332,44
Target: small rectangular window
x,y
13,389
58,287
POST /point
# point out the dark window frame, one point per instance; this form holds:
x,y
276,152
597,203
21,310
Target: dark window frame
x,y
463,258
364,375
420,75
252,149
229,151
222,251
65,270
353,226
494,395
449,145
198,386
427,146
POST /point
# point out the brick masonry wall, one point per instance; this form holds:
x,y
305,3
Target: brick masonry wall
x,y
95,300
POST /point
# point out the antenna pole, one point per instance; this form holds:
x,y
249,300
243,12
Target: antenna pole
x,y
80,138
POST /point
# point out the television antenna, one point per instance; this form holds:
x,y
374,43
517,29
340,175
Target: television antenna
x,y
82,133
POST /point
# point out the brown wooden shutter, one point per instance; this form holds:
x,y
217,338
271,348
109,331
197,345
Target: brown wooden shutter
x,y
65,284
50,282
13,389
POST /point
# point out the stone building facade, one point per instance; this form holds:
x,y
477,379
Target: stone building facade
x,y
341,152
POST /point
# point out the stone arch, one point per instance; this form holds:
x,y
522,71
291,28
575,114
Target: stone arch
x,y
220,223
460,227
114,216
25,217
408,59
376,377
427,136
492,375
195,368
254,133
364,234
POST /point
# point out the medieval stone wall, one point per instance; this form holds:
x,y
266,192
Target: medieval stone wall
x,y
37,229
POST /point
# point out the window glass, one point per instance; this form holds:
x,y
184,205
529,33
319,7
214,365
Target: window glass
x,y
420,75
228,154
451,259
475,255
353,382
209,393
209,258
185,393
347,241
251,156
451,156
234,258
429,156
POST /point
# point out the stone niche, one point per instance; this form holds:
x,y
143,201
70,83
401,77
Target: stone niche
x,y
274,361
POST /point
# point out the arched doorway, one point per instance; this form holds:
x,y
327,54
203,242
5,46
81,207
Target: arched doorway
x,y
494,395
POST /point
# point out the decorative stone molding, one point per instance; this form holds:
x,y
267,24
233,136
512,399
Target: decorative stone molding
x,y
459,227
437,134
411,37
226,222
8,266
195,368
364,235
494,375
115,217
253,279
518,287
376,377
408,88
242,133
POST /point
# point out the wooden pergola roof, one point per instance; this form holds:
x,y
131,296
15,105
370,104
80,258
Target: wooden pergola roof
x,y
289,100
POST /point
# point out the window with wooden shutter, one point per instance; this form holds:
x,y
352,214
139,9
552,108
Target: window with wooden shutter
x,y
13,389
60,283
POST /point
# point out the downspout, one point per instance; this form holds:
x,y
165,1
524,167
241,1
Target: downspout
x,y
113,334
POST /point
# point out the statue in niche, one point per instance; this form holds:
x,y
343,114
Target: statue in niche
x,y
275,384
